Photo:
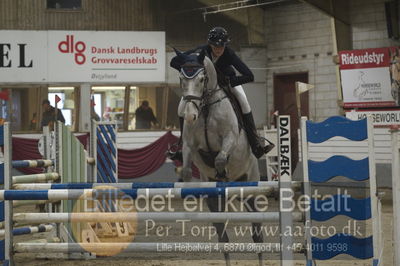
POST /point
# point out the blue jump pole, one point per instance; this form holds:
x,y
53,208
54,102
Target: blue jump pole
x,y
75,194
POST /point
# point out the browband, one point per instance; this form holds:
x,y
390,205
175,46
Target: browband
x,y
191,70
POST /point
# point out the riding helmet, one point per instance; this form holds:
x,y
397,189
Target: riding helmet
x,y
218,36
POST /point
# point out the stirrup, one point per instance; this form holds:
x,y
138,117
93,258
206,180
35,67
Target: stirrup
x,y
174,153
268,147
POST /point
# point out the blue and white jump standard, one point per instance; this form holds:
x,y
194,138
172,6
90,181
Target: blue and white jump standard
x,y
59,157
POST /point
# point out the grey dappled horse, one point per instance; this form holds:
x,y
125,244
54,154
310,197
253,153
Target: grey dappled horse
x,y
212,138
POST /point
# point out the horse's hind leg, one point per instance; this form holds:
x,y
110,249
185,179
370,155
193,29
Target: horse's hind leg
x,y
213,206
257,234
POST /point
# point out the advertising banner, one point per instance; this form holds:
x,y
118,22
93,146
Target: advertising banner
x,y
383,118
81,56
370,77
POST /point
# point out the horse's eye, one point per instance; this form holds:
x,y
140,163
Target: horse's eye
x,y
201,79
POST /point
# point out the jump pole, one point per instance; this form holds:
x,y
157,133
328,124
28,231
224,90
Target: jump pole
x,y
29,230
234,217
272,184
44,177
89,194
32,163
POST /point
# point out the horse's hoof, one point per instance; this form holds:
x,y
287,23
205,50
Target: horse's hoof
x,y
221,176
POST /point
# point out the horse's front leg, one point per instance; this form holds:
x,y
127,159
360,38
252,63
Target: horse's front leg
x,y
222,158
186,173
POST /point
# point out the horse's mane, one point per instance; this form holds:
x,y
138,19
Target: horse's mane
x,y
211,72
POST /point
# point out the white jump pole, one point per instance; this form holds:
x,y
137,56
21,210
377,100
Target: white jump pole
x,y
234,217
35,178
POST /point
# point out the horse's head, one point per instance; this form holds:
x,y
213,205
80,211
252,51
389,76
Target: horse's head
x,y
195,82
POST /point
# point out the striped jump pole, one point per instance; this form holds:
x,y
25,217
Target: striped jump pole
x,y
29,230
85,194
272,184
35,178
169,247
32,163
206,217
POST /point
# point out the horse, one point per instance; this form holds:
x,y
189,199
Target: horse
x,y
212,137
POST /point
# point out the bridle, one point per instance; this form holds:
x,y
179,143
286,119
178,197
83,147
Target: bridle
x,y
190,71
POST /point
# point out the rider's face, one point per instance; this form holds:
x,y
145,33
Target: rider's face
x,y
217,50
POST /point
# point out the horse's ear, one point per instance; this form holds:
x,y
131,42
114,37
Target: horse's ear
x,y
201,56
178,53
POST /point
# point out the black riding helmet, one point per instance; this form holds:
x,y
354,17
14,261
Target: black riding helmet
x,y
218,36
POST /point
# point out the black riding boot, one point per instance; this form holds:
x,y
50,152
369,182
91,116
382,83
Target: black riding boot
x,y
175,151
255,141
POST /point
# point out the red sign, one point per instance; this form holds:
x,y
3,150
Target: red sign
x,y
367,58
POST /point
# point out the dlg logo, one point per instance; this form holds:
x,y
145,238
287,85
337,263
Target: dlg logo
x,y
69,46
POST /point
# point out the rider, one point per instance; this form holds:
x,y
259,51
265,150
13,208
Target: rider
x,y
224,59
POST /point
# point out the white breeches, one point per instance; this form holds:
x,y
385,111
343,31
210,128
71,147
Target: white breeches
x,y
181,108
237,91
242,99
